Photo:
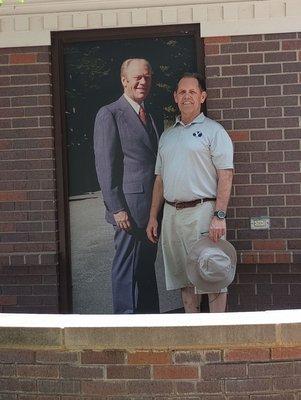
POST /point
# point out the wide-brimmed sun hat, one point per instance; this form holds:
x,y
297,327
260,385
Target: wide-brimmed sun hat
x,y
211,266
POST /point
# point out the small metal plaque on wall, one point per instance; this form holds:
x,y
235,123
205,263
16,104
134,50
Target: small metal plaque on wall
x,y
260,223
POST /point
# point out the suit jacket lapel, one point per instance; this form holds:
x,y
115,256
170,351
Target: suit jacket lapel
x,y
133,120
155,128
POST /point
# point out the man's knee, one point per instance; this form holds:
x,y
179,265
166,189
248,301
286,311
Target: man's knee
x,y
188,288
188,293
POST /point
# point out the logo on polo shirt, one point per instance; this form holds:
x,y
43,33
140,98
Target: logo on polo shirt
x,y
197,134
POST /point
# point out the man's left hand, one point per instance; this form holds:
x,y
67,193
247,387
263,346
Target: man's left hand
x,y
217,229
152,230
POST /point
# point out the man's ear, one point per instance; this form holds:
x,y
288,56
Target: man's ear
x,y
123,81
175,97
203,97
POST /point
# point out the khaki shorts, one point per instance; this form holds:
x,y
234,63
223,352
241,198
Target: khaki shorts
x,y
180,230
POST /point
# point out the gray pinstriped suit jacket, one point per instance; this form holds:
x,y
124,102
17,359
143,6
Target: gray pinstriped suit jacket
x,y
125,159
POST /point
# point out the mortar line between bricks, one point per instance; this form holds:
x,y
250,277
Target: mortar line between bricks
x,y
247,369
278,331
270,353
105,371
151,372
63,339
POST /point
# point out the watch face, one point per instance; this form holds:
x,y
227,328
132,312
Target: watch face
x,y
220,214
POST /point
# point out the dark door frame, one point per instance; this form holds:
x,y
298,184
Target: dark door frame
x,y
58,41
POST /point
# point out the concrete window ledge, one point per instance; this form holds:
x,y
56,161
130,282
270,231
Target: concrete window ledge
x,y
172,331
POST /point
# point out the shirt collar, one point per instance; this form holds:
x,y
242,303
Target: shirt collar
x,y
198,119
135,105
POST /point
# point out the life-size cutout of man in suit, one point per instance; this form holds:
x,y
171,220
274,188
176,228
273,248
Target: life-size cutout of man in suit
x,y
125,146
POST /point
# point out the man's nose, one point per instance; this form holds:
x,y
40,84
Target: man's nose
x,y
142,80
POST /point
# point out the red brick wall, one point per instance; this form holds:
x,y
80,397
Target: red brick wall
x,y
254,88
254,91
227,374
28,226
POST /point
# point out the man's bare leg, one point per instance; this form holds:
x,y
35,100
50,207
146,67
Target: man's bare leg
x,y
217,302
191,300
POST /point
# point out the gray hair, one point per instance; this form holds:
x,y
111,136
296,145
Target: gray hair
x,y
127,63
198,77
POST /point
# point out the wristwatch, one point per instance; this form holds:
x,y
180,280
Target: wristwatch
x,y
220,214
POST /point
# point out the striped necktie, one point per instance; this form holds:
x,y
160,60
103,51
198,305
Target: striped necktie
x,y
142,115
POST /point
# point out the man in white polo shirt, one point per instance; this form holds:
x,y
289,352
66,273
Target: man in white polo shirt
x,y
194,171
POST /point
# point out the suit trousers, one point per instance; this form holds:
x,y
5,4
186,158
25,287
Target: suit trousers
x,y
134,282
